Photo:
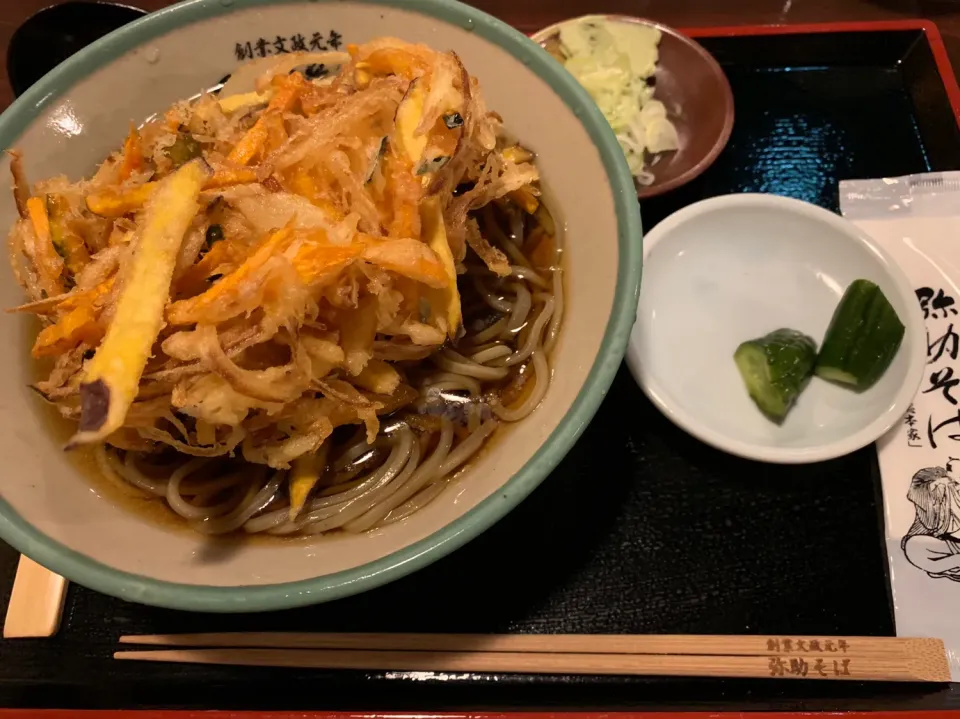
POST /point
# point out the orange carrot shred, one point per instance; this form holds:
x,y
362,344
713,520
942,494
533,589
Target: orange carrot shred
x,y
76,327
132,154
50,264
188,311
256,138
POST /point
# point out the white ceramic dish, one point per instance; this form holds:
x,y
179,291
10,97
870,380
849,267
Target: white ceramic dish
x,y
733,268
70,120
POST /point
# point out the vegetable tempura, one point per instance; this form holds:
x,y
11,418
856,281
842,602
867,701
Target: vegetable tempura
x,y
294,305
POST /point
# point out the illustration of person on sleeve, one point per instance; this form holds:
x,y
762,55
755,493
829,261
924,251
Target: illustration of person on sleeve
x,y
933,541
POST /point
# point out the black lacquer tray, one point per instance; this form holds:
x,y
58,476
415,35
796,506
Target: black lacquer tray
x,y
641,528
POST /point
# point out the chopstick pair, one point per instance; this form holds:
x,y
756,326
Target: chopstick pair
x,y
830,658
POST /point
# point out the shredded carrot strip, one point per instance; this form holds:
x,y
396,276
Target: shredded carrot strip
x,y
315,262
194,280
276,132
76,327
225,178
245,150
112,203
389,61
49,262
187,311
256,137
304,183
77,299
132,155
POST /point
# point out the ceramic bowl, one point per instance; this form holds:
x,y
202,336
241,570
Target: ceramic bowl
x,y
733,268
75,115
696,94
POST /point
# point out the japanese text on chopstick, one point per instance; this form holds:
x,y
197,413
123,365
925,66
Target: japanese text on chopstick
x,y
813,667
807,664
806,646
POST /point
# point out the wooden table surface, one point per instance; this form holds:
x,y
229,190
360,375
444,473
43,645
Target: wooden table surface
x,y
529,15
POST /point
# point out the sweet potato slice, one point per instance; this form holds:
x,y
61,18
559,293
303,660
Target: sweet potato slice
x,y
445,300
226,178
112,377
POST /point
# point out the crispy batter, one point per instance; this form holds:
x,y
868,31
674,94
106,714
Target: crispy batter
x,y
357,334
251,270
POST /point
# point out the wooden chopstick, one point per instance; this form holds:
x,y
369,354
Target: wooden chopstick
x,y
861,658
750,645
36,602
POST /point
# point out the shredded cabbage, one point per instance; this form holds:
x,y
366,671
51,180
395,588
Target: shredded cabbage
x,y
613,60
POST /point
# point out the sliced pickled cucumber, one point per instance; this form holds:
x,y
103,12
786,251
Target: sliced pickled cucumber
x,y
863,338
775,368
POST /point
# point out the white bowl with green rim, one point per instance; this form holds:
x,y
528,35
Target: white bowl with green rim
x,y
69,121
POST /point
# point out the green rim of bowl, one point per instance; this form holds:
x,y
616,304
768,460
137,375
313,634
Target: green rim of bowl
x,y
248,598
